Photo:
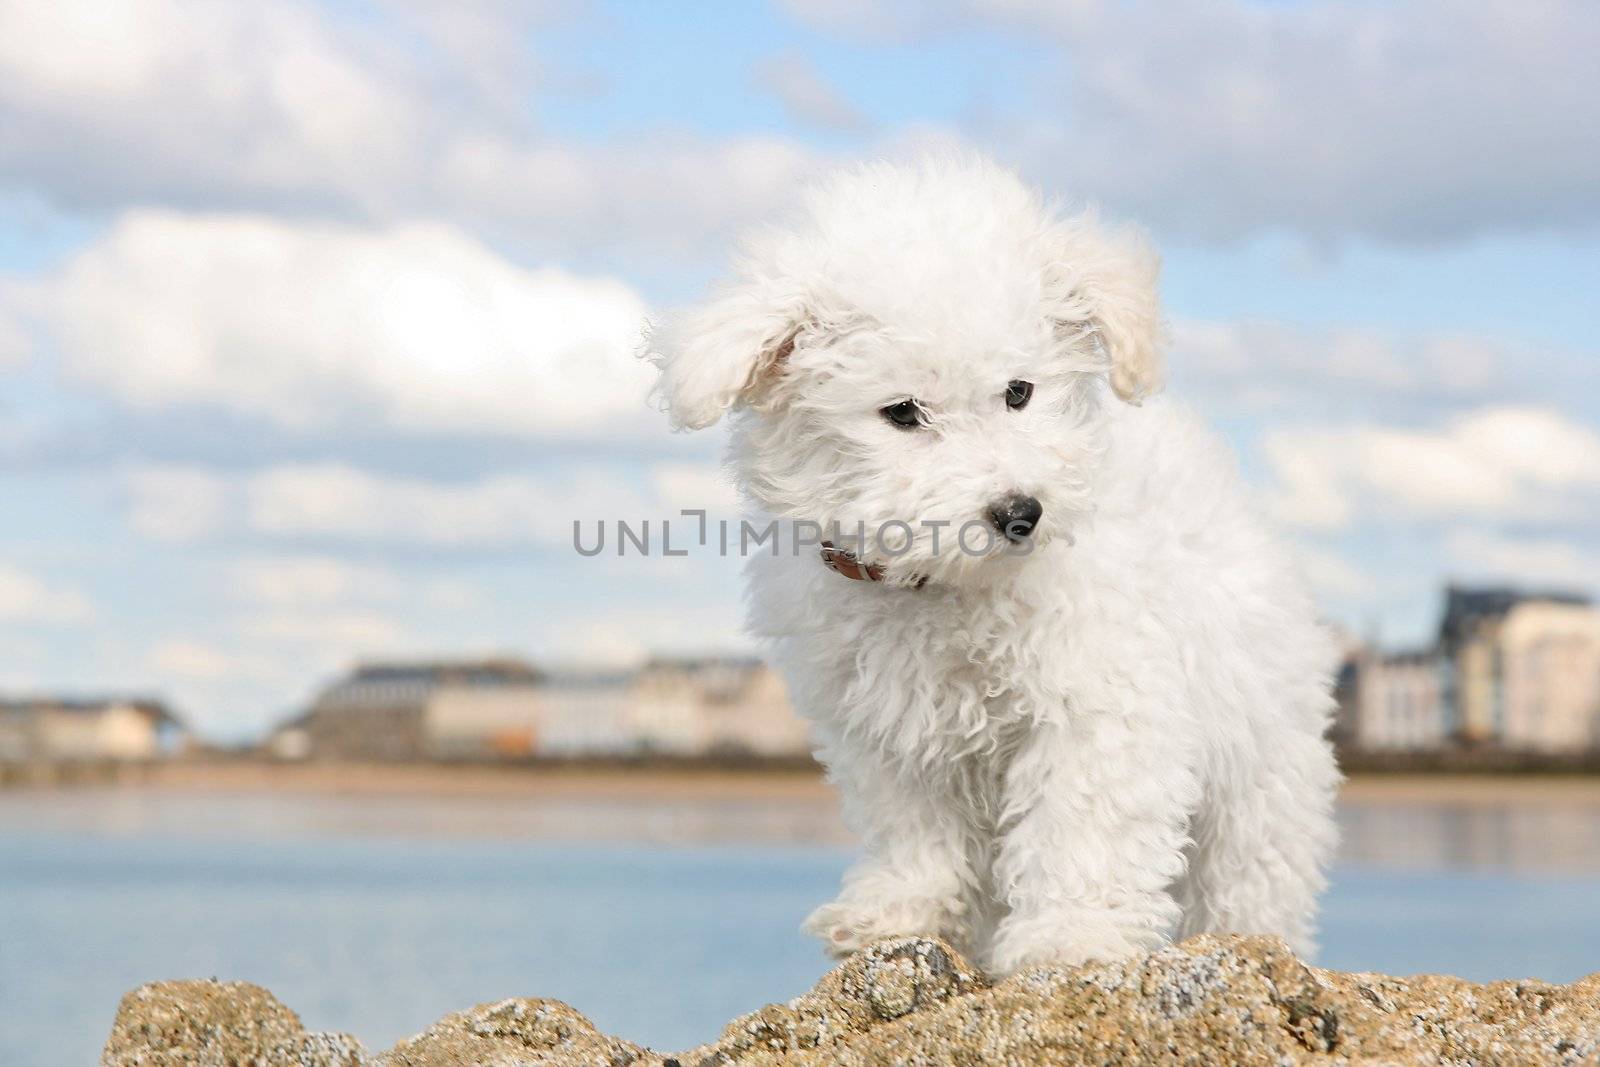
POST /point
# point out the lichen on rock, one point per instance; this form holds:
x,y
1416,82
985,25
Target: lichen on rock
x,y
1210,1000
882,982
514,1033
218,1024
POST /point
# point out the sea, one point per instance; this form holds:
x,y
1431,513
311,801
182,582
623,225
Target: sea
x,y
661,921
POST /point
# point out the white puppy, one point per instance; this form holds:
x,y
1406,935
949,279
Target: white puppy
x,y
1071,742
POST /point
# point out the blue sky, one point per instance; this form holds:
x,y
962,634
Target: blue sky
x,y
316,319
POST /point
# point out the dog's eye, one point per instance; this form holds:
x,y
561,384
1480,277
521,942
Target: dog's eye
x,y
907,414
1018,394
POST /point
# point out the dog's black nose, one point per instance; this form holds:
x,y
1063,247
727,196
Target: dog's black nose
x,y
1015,516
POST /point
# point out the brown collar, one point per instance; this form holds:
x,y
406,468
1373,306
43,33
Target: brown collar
x,y
843,561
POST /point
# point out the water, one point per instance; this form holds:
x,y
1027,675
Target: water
x,y
376,916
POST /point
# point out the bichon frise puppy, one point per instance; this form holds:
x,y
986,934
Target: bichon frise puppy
x,y
1071,691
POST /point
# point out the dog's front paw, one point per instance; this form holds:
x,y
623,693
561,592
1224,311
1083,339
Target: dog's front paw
x,y
1019,945
846,926
843,929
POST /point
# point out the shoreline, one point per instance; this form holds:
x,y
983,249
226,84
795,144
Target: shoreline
x,y
796,782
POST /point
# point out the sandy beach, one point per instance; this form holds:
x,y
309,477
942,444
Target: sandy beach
x,y
797,784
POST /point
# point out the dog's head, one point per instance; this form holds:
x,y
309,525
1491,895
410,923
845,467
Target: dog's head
x,y
925,347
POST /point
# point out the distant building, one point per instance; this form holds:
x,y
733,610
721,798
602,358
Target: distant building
x,y
587,713
719,706
1404,701
1474,643
1346,687
404,711
502,709
1513,670
92,730
1547,677
1392,701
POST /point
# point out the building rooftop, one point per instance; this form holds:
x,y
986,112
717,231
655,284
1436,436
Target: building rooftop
x,y
1464,605
156,710
1411,656
453,672
395,686
701,663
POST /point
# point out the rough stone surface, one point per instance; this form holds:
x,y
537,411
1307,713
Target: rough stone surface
x,y
514,1033
1210,1000
218,1024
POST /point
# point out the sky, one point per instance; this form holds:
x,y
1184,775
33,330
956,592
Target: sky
x,y
318,321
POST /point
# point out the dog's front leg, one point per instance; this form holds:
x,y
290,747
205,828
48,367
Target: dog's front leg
x,y
1093,832
915,874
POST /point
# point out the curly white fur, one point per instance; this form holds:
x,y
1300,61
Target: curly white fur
x,y
1071,754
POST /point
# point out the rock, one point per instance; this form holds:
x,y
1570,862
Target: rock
x,y
882,982
218,1024
515,1033
1209,1000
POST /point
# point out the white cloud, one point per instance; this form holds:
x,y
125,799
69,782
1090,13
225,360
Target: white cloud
x,y
15,347
1333,577
350,633
206,101
665,193
486,42
1526,560
25,598
807,97
886,20
176,503
411,110
629,635
309,581
697,486
192,660
1517,463
1420,121
1260,366
417,328
336,502
1309,479
340,502
1416,122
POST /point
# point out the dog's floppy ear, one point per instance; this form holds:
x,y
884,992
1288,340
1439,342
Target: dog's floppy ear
x,y
1107,281
725,351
